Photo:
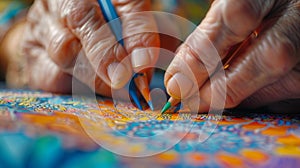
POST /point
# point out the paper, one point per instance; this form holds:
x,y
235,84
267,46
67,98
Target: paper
x,y
35,120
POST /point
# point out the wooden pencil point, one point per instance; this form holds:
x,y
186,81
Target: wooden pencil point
x,y
151,105
166,107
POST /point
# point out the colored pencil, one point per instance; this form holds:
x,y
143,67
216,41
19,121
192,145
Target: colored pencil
x,y
111,16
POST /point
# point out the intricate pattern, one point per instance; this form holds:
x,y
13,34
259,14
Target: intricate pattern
x,y
46,130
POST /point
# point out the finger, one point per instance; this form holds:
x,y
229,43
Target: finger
x,y
84,72
272,55
41,72
62,46
37,32
46,75
286,88
86,22
224,26
139,31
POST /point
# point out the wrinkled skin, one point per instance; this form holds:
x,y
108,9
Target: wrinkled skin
x,y
57,31
266,71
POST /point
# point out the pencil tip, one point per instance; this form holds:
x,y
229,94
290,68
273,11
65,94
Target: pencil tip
x,y
138,104
150,105
166,107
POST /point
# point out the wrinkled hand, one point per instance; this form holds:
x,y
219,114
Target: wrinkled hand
x,y
58,31
267,70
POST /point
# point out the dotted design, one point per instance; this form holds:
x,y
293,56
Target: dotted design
x,y
246,139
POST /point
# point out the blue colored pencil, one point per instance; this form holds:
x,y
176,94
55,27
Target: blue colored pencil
x,y
134,95
115,24
111,16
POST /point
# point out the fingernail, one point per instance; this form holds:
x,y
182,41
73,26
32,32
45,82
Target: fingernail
x,y
179,86
119,75
141,58
122,1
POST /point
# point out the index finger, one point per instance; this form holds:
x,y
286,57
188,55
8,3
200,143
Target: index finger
x,y
139,31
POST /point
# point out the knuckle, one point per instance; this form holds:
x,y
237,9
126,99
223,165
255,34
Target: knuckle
x,y
277,60
208,58
78,13
288,26
128,6
281,44
36,11
245,12
151,40
106,54
203,63
142,40
64,52
189,63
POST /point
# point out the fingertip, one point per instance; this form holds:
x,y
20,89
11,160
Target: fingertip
x,y
63,48
179,86
119,74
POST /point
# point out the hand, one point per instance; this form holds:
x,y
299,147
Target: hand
x,y
58,31
267,70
